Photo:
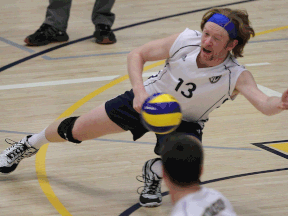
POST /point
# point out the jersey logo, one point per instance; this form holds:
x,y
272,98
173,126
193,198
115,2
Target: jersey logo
x,y
215,79
215,208
184,57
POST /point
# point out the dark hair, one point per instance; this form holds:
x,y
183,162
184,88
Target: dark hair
x,y
182,158
241,22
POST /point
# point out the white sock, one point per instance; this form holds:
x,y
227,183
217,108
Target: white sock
x,y
38,140
157,168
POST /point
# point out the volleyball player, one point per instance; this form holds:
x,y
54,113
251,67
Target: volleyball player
x,y
201,72
182,157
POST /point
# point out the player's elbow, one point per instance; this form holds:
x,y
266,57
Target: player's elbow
x,y
131,54
135,56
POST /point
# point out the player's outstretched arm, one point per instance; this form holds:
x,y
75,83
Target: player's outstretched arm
x,y
247,86
151,51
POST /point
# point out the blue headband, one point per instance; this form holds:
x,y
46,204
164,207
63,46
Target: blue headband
x,y
224,22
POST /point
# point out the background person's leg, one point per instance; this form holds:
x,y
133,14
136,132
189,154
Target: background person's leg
x,y
55,25
103,19
57,14
102,12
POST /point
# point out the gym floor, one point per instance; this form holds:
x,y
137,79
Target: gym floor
x,y
245,151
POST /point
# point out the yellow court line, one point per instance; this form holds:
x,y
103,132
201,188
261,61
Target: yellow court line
x,y
271,30
82,101
280,146
41,155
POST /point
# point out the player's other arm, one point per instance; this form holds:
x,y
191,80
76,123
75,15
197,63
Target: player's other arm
x,y
247,86
152,51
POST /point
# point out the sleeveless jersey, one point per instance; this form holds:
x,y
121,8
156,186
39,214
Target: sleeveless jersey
x,y
198,90
205,202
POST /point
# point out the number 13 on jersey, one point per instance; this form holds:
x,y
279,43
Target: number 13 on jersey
x,y
190,88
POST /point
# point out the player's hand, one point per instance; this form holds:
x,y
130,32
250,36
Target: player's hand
x,y
139,99
284,101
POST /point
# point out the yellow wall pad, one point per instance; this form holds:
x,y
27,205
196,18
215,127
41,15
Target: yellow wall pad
x,y
41,155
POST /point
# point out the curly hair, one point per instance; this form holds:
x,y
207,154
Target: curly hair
x,y
241,22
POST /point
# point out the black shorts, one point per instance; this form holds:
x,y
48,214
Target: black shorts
x,y
120,110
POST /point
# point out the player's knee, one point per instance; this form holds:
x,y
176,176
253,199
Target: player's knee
x,y
65,129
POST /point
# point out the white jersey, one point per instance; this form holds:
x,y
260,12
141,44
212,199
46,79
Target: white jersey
x,y
205,202
198,90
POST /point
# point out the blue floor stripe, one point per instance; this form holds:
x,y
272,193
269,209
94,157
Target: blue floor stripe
x,y
16,45
137,142
15,132
83,56
101,54
47,57
24,48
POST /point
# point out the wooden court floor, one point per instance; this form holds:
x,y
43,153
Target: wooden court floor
x,y
245,152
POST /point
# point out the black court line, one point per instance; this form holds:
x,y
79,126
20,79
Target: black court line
x,y
117,29
276,141
263,145
135,207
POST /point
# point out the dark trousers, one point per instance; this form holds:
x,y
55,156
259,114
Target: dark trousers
x,y
58,13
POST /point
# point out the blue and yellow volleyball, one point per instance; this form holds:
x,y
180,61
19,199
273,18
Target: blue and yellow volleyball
x,y
161,113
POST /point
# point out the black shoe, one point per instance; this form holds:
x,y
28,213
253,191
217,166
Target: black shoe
x,y
46,34
104,34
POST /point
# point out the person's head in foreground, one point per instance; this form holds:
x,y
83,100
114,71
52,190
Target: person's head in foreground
x,y
182,157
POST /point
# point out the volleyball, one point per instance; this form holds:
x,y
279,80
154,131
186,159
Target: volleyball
x,y
161,113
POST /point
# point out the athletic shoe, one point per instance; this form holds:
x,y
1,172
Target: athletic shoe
x,y
11,157
151,195
46,34
104,34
